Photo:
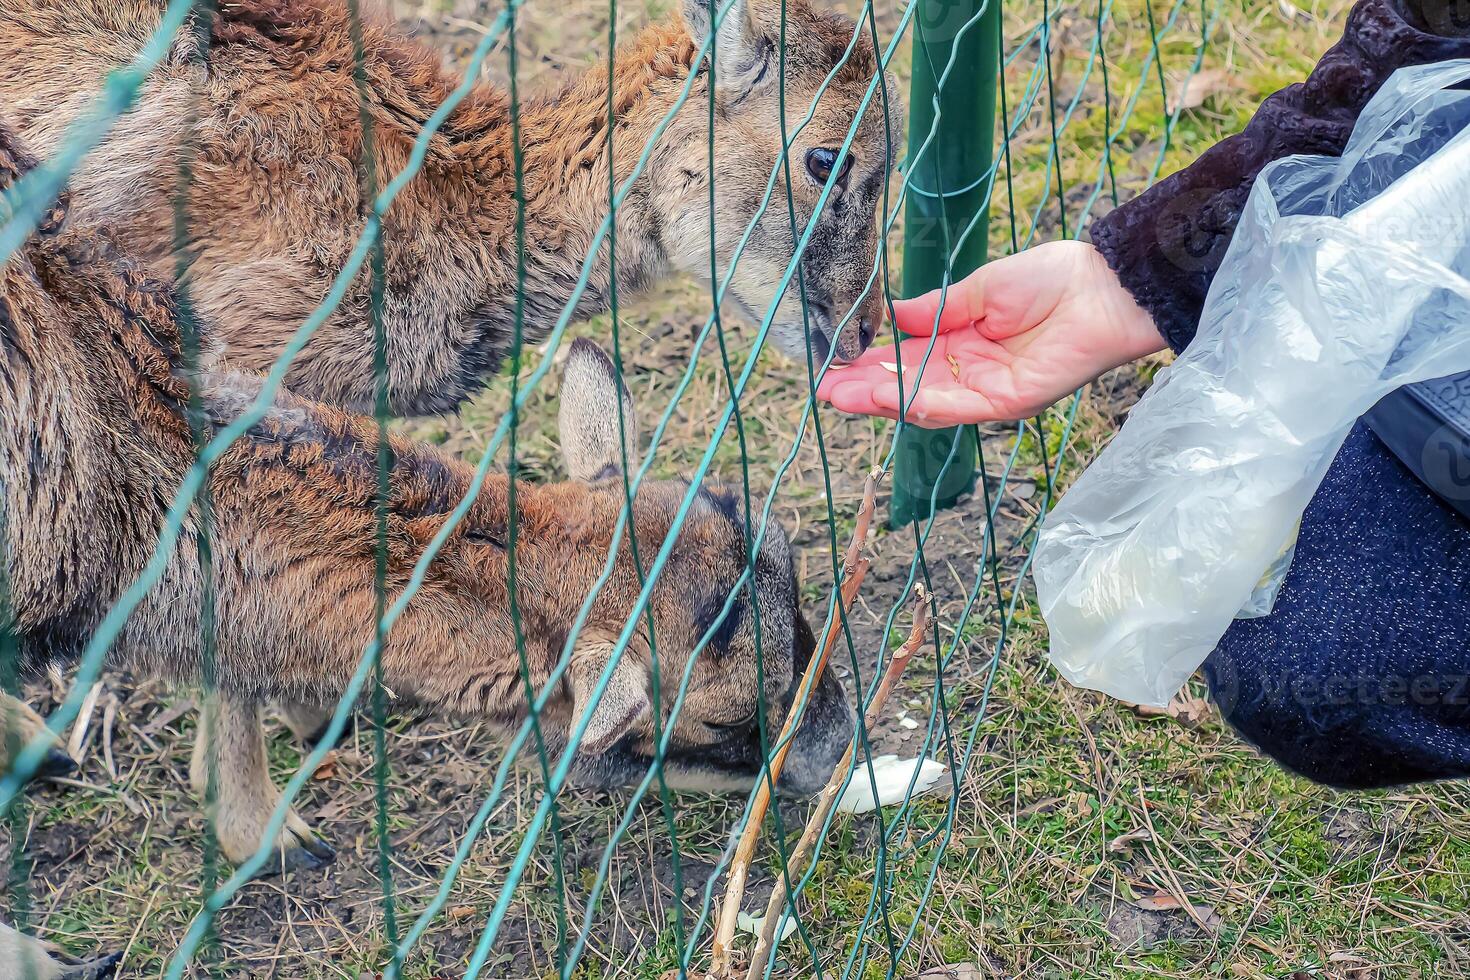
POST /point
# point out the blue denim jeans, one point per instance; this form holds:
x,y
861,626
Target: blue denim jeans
x,y
1360,676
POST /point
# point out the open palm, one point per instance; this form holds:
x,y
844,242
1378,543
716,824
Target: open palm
x,y
1017,335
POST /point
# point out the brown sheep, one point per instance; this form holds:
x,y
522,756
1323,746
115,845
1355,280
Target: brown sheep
x,y
276,200
97,440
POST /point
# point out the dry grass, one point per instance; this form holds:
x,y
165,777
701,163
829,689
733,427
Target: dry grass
x,y
1072,808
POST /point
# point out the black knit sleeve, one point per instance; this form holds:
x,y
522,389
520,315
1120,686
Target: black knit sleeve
x,y
1166,244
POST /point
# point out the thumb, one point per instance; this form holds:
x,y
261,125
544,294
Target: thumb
x,y
952,308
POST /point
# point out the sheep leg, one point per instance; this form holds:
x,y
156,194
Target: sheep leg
x,y
230,736
27,956
307,722
19,723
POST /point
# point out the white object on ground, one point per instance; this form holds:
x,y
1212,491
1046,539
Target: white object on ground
x,y
1346,278
893,776
753,924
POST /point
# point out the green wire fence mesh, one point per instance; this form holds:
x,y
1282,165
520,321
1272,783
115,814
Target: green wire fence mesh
x,y
1067,88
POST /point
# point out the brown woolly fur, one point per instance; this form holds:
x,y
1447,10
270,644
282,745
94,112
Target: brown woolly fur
x,y
96,440
276,200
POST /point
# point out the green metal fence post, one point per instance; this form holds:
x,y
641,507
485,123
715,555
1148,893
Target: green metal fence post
x,y
928,465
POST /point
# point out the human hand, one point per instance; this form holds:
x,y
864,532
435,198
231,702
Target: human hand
x,y
1017,335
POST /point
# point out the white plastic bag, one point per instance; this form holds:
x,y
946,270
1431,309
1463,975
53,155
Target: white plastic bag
x,y
1346,278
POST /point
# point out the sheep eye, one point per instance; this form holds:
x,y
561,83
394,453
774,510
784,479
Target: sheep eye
x,y
821,162
735,726
485,537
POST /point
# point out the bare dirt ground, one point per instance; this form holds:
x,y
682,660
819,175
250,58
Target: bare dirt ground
x,y
1075,815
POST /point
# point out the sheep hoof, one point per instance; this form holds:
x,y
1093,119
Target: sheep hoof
x,y
313,738
304,852
318,850
55,763
99,969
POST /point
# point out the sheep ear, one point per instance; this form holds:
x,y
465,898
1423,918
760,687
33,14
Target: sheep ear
x,y
623,701
587,417
743,51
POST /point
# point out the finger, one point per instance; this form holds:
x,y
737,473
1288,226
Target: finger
x,y
879,367
865,370
869,364
856,398
937,406
959,305
909,356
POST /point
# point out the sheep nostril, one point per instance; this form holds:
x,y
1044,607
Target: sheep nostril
x,y
866,333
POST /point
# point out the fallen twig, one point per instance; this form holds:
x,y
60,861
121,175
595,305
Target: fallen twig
x,y
109,719
167,717
918,633
854,569
133,805
83,722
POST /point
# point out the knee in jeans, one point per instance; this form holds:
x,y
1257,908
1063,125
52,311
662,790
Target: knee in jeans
x,y
1302,720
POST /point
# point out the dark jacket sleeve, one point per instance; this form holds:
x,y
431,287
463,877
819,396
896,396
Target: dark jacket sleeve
x,y
1166,244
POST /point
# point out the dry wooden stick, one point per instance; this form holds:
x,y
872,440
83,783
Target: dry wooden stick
x,y
83,722
109,719
854,569
827,799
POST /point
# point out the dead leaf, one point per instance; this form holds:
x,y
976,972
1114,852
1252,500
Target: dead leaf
x,y
1351,966
327,768
333,811
1200,87
1124,842
1160,902
1164,902
1040,806
462,911
1189,710
1186,709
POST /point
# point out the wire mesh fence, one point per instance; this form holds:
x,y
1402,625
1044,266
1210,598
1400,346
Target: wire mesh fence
x,y
501,867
